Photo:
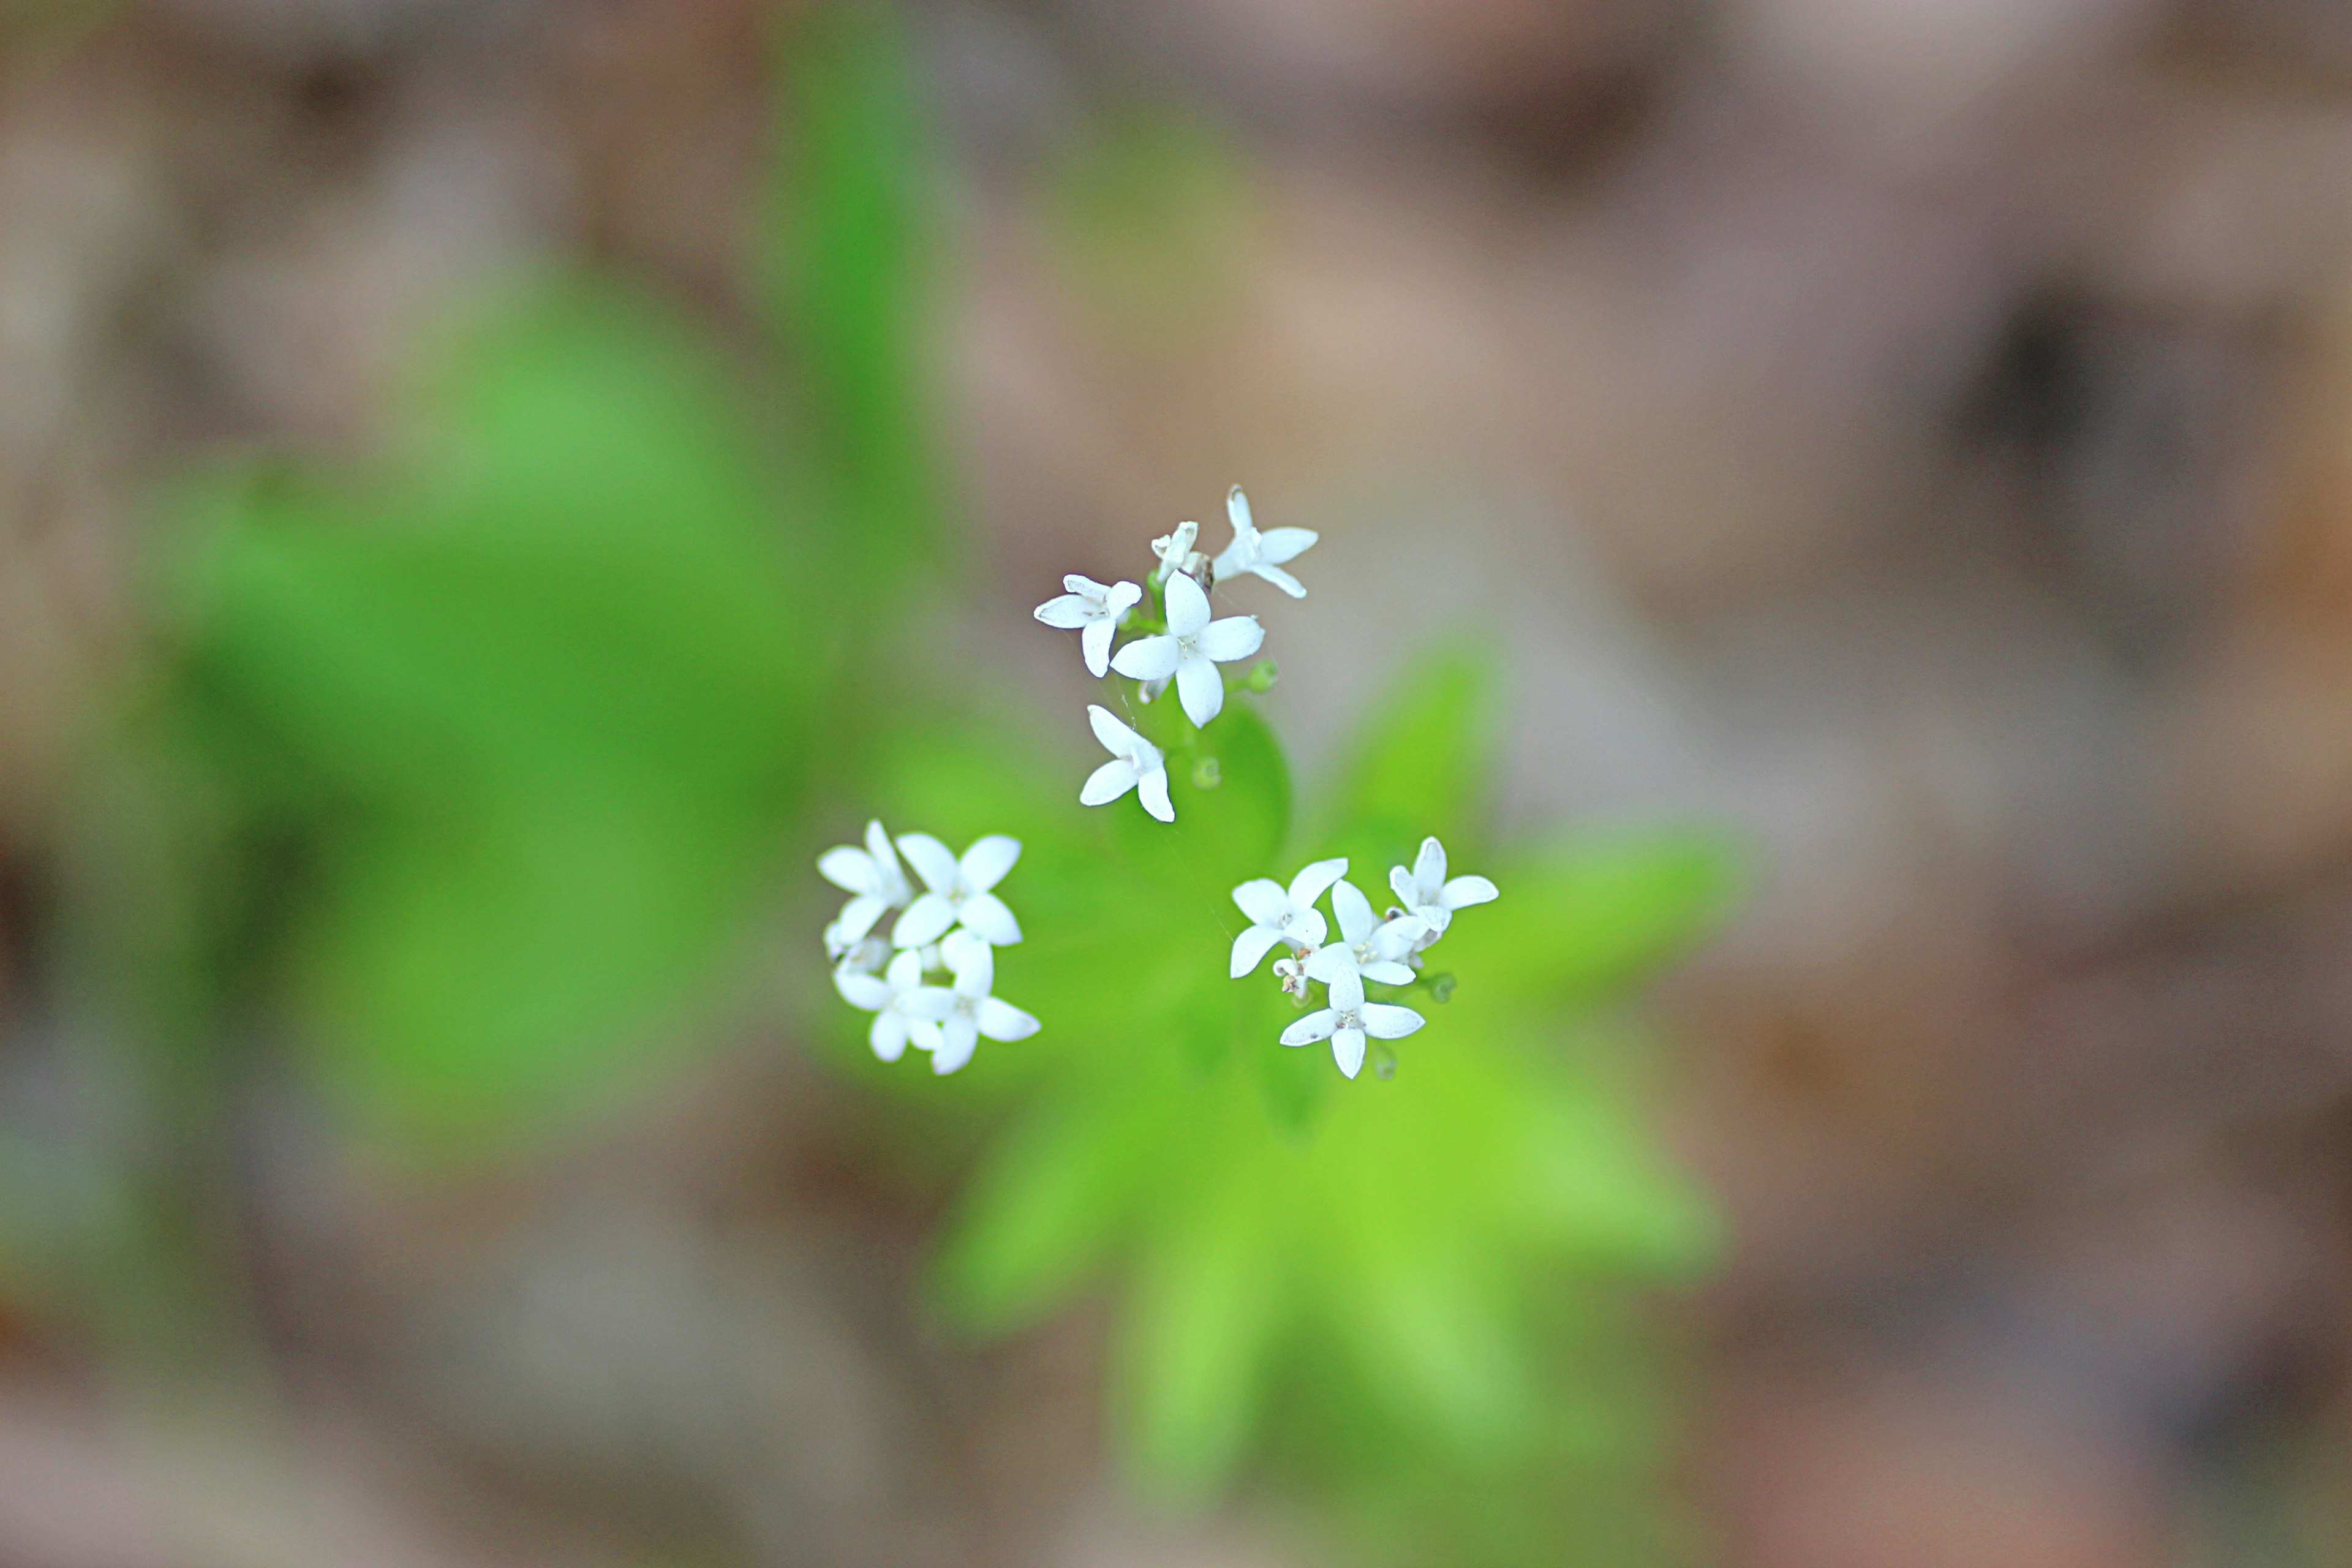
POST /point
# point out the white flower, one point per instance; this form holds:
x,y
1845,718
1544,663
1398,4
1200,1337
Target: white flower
x,y
1261,553
1292,975
1175,552
1349,1019
1191,650
1280,915
1425,892
959,891
873,874
1093,611
1134,764
1366,947
949,1020
884,997
863,955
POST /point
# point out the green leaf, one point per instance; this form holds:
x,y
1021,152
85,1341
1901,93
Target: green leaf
x,y
1225,832
1044,1209
1424,767
849,274
1205,1309
1593,913
549,673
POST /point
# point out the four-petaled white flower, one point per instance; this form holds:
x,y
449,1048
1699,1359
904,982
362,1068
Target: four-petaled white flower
x,y
1366,947
1134,764
1279,915
1262,554
1191,650
959,891
1349,1019
882,995
1175,552
873,874
1093,611
1425,892
949,1020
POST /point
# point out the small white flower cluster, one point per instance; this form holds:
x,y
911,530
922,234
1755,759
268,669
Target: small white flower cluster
x,y
954,926
1183,646
1386,950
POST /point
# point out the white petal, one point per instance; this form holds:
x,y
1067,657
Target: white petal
x,y
1108,782
975,971
928,1003
1327,963
1313,1027
1383,1022
1308,928
1187,607
885,860
1067,613
984,864
926,919
1347,989
848,868
1085,587
1262,899
956,948
1094,646
859,915
1235,637
1001,1020
1348,1050
1315,880
1276,545
1395,938
1281,579
1387,971
1464,891
906,970
1401,883
1238,511
1250,949
1148,658
931,859
987,914
1200,690
1429,870
863,991
924,1033
1124,596
1116,738
1153,794
957,1035
1355,912
889,1034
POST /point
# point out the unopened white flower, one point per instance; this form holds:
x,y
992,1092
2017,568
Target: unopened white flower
x,y
1093,611
1425,892
1176,552
1262,554
1349,1019
1134,764
1291,974
884,997
1279,914
959,891
1191,650
873,874
1366,946
949,1020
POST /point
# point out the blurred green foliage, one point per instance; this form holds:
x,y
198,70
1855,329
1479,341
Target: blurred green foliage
x,y
466,772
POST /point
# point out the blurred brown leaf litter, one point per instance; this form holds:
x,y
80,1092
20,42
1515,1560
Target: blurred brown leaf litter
x,y
1914,433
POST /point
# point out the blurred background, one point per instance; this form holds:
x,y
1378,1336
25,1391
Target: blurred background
x,y
478,480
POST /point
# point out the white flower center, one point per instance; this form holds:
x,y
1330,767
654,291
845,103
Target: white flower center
x,y
1349,1020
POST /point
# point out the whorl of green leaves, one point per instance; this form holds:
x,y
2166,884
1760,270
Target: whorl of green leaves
x,y
1261,1221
